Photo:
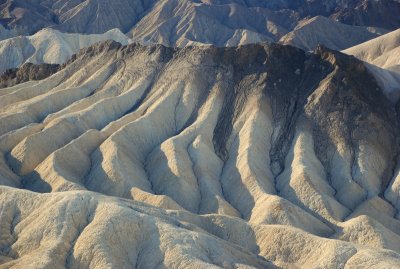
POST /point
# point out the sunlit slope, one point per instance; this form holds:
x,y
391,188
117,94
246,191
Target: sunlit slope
x,y
258,156
49,46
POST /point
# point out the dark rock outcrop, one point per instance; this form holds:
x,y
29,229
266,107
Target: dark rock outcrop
x,y
26,73
381,13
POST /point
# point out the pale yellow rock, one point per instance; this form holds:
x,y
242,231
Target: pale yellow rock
x,y
155,157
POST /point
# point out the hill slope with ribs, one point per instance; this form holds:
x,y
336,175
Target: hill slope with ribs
x,y
382,56
383,51
310,33
49,46
183,22
260,156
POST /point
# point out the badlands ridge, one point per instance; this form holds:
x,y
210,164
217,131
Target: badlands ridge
x,y
49,46
217,22
260,156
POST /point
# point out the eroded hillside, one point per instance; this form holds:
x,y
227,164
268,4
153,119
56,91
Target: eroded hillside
x,y
258,156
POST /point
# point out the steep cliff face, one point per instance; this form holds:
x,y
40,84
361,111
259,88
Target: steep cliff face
x,y
261,155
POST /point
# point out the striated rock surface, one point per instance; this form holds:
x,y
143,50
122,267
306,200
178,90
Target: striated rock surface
x,y
383,57
90,17
383,51
49,46
309,33
183,22
258,156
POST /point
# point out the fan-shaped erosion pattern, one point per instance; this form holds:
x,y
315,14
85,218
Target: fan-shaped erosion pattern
x,y
259,156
